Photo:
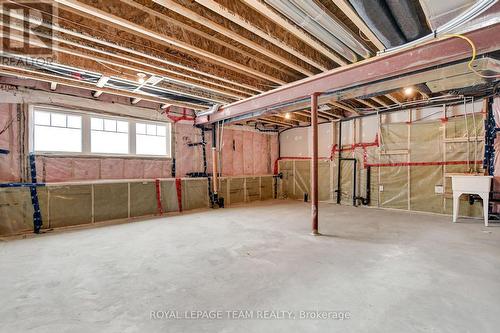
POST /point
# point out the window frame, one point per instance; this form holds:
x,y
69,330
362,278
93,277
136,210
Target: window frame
x,y
168,136
86,133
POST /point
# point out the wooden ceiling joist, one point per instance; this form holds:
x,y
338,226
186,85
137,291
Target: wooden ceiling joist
x,y
77,63
181,10
343,107
171,5
380,101
217,8
198,78
265,10
162,38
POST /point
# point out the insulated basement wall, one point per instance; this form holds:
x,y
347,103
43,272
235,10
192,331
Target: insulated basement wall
x,y
86,203
411,156
245,151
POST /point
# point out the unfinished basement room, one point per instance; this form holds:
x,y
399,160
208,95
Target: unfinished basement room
x,y
250,166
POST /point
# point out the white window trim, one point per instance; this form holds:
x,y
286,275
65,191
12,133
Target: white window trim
x,y
86,134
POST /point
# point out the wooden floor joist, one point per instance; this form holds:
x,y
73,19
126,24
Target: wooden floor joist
x,y
162,38
181,10
265,10
171,5
99,60
216,7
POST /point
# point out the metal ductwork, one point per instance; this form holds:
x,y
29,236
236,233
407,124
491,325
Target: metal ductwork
x,y
319,14
409,18
480,7
378,17
299,17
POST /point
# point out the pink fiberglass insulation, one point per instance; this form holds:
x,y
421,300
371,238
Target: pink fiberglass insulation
x,y
261,154
133,169
55,169
227,153
238,153
189,158
248,156
87,169
112,168
157,169
9,163
274,152
244,153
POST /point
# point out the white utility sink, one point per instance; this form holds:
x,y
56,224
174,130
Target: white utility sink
x,y
464,184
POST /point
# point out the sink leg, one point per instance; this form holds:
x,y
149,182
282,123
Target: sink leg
x,y
486,198
456,203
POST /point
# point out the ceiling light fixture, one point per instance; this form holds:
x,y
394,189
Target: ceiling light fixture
x,y
288,115
141,78
408,91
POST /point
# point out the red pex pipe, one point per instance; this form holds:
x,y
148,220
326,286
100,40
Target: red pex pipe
x,y
158,197
178,187
382,164
421,163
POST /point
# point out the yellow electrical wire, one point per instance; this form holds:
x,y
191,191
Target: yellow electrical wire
x,y
474,53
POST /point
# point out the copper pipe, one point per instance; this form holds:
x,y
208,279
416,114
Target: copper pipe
x,y
314,163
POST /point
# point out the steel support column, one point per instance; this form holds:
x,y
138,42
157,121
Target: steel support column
x,y
314,163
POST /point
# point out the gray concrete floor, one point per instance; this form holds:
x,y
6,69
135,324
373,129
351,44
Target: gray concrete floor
x,y
393,271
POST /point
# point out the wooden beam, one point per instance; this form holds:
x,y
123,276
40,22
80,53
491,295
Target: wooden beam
x,y
344,107
221,10
345,7
172,5
265,10
380,101
392,98
23,73
274,122
58,48
162,38
180,76
367,103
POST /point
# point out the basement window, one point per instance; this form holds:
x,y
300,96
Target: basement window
x,y
152,139
57,132
109,136
60,131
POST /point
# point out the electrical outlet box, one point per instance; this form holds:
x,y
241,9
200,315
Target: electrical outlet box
x,y
381,188
438,189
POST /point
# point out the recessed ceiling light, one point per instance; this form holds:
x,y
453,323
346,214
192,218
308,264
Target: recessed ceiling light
x,y
288,115
141,78
408,91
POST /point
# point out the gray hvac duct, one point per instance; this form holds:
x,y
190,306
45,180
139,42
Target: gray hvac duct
x,y
473,12
409,18
378,17
334,27
296,15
